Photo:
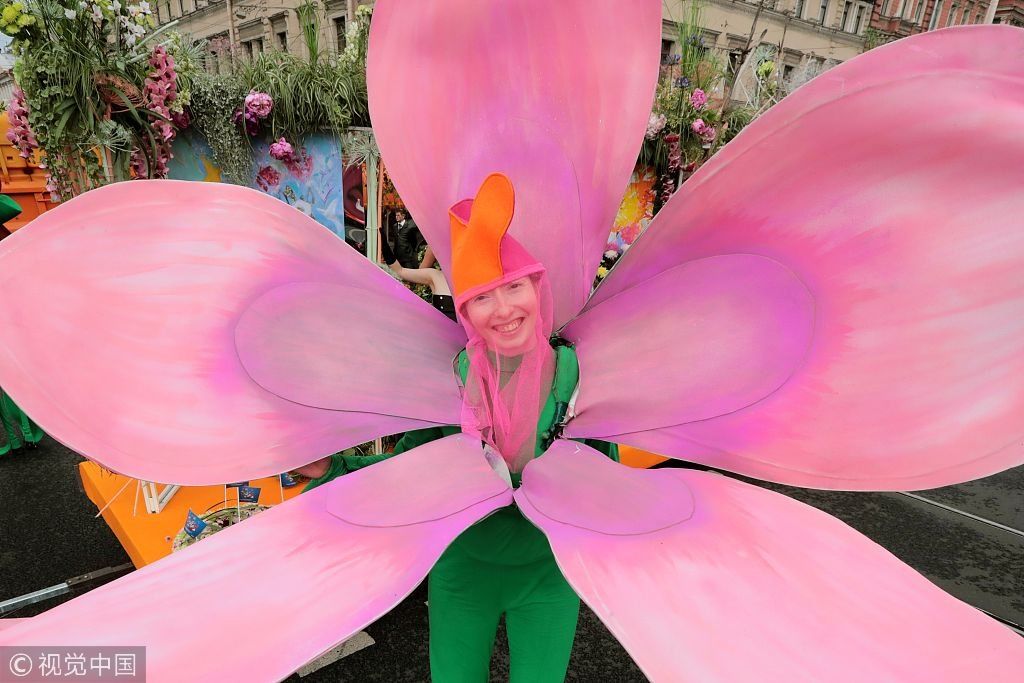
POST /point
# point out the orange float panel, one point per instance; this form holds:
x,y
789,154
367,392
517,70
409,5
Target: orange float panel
x,y
22,180
634,457
148,537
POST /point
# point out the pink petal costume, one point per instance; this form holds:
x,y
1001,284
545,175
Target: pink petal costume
x,y
832,301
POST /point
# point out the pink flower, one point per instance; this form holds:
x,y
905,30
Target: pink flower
x,y
668,187
282,150
698,99
160,91
259,104
300,164
675,152
268,178
53,189
698,126
655,125
20,133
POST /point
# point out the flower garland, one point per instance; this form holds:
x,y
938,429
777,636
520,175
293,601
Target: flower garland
x,y
20,133
160,92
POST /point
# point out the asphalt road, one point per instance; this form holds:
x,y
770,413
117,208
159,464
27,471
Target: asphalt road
x,y
48,533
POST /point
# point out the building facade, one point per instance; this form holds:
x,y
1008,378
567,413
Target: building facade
x,y
803,37
245,28
1010,12
893,19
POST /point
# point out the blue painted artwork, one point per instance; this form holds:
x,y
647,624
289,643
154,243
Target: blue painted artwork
x,y
312,181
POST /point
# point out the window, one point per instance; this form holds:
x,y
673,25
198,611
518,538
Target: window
x,y
903,7
666,50
936,11
735,61
282,40
847,8
339,33
952,15
858,21
919,14
823,12
963,17
798,12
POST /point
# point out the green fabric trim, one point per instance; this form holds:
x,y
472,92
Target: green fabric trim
x,y
19,427
9,208
567,376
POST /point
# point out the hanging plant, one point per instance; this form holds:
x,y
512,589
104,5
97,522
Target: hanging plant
x,y
215,99
320,92
100,88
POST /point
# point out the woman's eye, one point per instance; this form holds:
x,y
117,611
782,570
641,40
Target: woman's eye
x,y
515,285
480,298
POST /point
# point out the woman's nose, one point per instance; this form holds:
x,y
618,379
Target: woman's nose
x,y
502,303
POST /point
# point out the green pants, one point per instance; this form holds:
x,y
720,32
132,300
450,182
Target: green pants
x,y
469,591
17,425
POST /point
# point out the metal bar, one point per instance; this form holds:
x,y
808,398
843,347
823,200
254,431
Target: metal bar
x,y
976,518
99,573
34,597
1005,622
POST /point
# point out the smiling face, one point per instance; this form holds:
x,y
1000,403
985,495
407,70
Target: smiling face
x,y
506,316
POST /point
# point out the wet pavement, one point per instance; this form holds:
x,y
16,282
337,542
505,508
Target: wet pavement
x,y
48,533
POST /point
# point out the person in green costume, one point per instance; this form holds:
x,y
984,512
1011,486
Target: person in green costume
x,y
517,391
19,427
8,208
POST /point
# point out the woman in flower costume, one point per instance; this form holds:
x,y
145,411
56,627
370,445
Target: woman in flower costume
x,y
831,301
516,390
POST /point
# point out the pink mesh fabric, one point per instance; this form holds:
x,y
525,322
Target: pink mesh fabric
x,y
504,394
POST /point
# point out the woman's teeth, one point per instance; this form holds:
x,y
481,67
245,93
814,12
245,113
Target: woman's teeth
x,y
509,327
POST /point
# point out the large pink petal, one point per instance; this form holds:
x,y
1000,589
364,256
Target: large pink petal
x,y
747,584
890,187
735,326
344,347
260,599
555,95
119,336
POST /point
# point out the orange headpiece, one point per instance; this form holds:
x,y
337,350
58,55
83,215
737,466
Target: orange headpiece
x,y
483,255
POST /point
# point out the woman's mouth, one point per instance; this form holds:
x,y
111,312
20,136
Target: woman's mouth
x,y
508,327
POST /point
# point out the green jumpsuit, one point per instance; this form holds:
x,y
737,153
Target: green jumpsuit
x,y
18,426
500,565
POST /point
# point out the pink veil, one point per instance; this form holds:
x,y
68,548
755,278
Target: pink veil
x,y
503,396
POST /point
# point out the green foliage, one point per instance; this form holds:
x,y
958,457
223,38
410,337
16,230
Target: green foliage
x,y
214,100
733,121
188,62
308,14
322,93
83,69
873,38
308,95
695,67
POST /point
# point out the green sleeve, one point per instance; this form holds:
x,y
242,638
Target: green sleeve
x,y
334,470
421,436
608,448
358,462
343,463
